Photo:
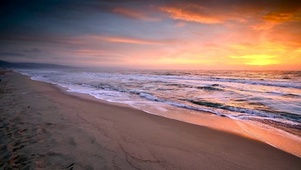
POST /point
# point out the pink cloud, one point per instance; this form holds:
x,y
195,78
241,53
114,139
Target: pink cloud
x,y
133,13
127,40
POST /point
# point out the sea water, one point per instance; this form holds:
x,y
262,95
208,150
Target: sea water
x,y
269,97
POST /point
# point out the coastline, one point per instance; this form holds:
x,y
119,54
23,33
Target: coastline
x,y
285,139
70,131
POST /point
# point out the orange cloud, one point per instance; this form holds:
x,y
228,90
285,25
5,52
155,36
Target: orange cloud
x,y
275,18
190,15
281,17
286,11
263,26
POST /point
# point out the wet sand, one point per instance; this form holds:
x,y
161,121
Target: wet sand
x,y
43,128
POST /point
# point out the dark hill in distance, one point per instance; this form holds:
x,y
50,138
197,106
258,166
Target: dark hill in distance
x,y
11,65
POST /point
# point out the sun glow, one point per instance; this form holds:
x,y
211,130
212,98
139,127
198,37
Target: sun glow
x,y
258,59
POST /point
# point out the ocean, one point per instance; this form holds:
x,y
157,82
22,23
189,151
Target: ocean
x,y
267,97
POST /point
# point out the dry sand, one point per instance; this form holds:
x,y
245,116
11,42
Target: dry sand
x,y
44,128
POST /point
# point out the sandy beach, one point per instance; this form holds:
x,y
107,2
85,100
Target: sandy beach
x,y
44,128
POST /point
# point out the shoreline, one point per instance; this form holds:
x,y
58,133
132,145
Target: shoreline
x,y
125,137
273,136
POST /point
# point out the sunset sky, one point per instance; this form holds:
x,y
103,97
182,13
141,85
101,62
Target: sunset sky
x,y
191,34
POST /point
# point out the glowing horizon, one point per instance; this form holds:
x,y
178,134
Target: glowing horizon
x,y
217,35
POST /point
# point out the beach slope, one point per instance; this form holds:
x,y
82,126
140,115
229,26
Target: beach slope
x,y
44,128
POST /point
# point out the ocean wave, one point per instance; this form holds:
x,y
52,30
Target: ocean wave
x,y
151,97
240,113
262,82
213,87
261,113
284,84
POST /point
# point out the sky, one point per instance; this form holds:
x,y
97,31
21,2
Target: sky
x,y
154,34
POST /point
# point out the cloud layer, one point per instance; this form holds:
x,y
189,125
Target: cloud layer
x,y
209,34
